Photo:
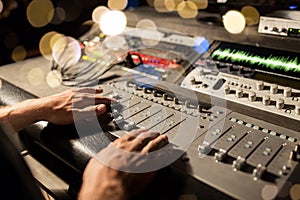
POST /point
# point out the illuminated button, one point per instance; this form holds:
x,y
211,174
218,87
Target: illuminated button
x,y
266,100
273,88
233,119
259,85
226,89
273,133
291,139
280,103
252,96
249,125
297,109
255,127
240,122
239,93
265,130
283,136
287,92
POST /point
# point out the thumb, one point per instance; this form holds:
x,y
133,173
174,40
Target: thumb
x,y
100,109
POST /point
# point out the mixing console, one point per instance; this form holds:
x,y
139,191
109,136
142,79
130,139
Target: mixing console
x,y
237,154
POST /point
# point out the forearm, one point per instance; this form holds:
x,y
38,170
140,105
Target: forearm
x,y
24,113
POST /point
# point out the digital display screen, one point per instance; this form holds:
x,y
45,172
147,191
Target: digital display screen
x,y
265,59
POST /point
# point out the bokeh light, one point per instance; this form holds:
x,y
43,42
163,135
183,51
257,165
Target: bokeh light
x,y
251,15
201,4
72,9
150,2
117,4
115,43
0,84
170,5
160,6
187,9
66,51
59,16
35,76
1,6
54,79
295,192
269,192
98,12
40,12
146,23
44,45
113,22
234,22
19,53
54,39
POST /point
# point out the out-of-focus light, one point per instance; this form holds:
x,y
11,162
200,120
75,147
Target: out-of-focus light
x,y
146,23
1,6
54,79
40,12
150,2
251,15
295,191
201,4
234,22
269,192
113,22
115,43
66,51
19,53
170,5
44,45
59,16
160,6
187,9
98,12
117,4
54,39
35,76
293,7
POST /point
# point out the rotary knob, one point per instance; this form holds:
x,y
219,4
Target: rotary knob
x,y
239,93
280,103
287,92
252,96
273,88
259,85
266,100
226,89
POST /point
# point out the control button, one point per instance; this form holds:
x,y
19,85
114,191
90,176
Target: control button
x,y
238,163
266,100
279,103
219,84
226,89
165,96
187,104
259,85
219,156
239,93
203,148
273,88
297,109
258,172
155,93
146,91
252,96
287,92
176,100
129,126
192,80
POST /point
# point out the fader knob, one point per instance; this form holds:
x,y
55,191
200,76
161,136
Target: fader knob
x,y
280,103
274,88
239,93
259,85
252,96
226,89
287,92
266,100
297,109
176,100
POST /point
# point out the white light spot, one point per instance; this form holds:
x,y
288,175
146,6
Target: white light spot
x,y
98,12
66,51
146,23
115,43
234,22
113,22
35,76
54,79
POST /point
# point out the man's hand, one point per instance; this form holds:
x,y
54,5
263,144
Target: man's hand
x,y
117,179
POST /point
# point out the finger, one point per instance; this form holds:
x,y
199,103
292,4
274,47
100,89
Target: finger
x,y
133,134
90,111
104,100
89,90
155,144
141,140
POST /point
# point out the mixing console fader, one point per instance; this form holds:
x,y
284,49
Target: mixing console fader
x,y
239,155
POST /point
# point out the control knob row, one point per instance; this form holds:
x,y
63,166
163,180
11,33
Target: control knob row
x,y
287,92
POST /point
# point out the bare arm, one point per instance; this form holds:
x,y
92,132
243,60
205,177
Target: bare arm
x,y
58,109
